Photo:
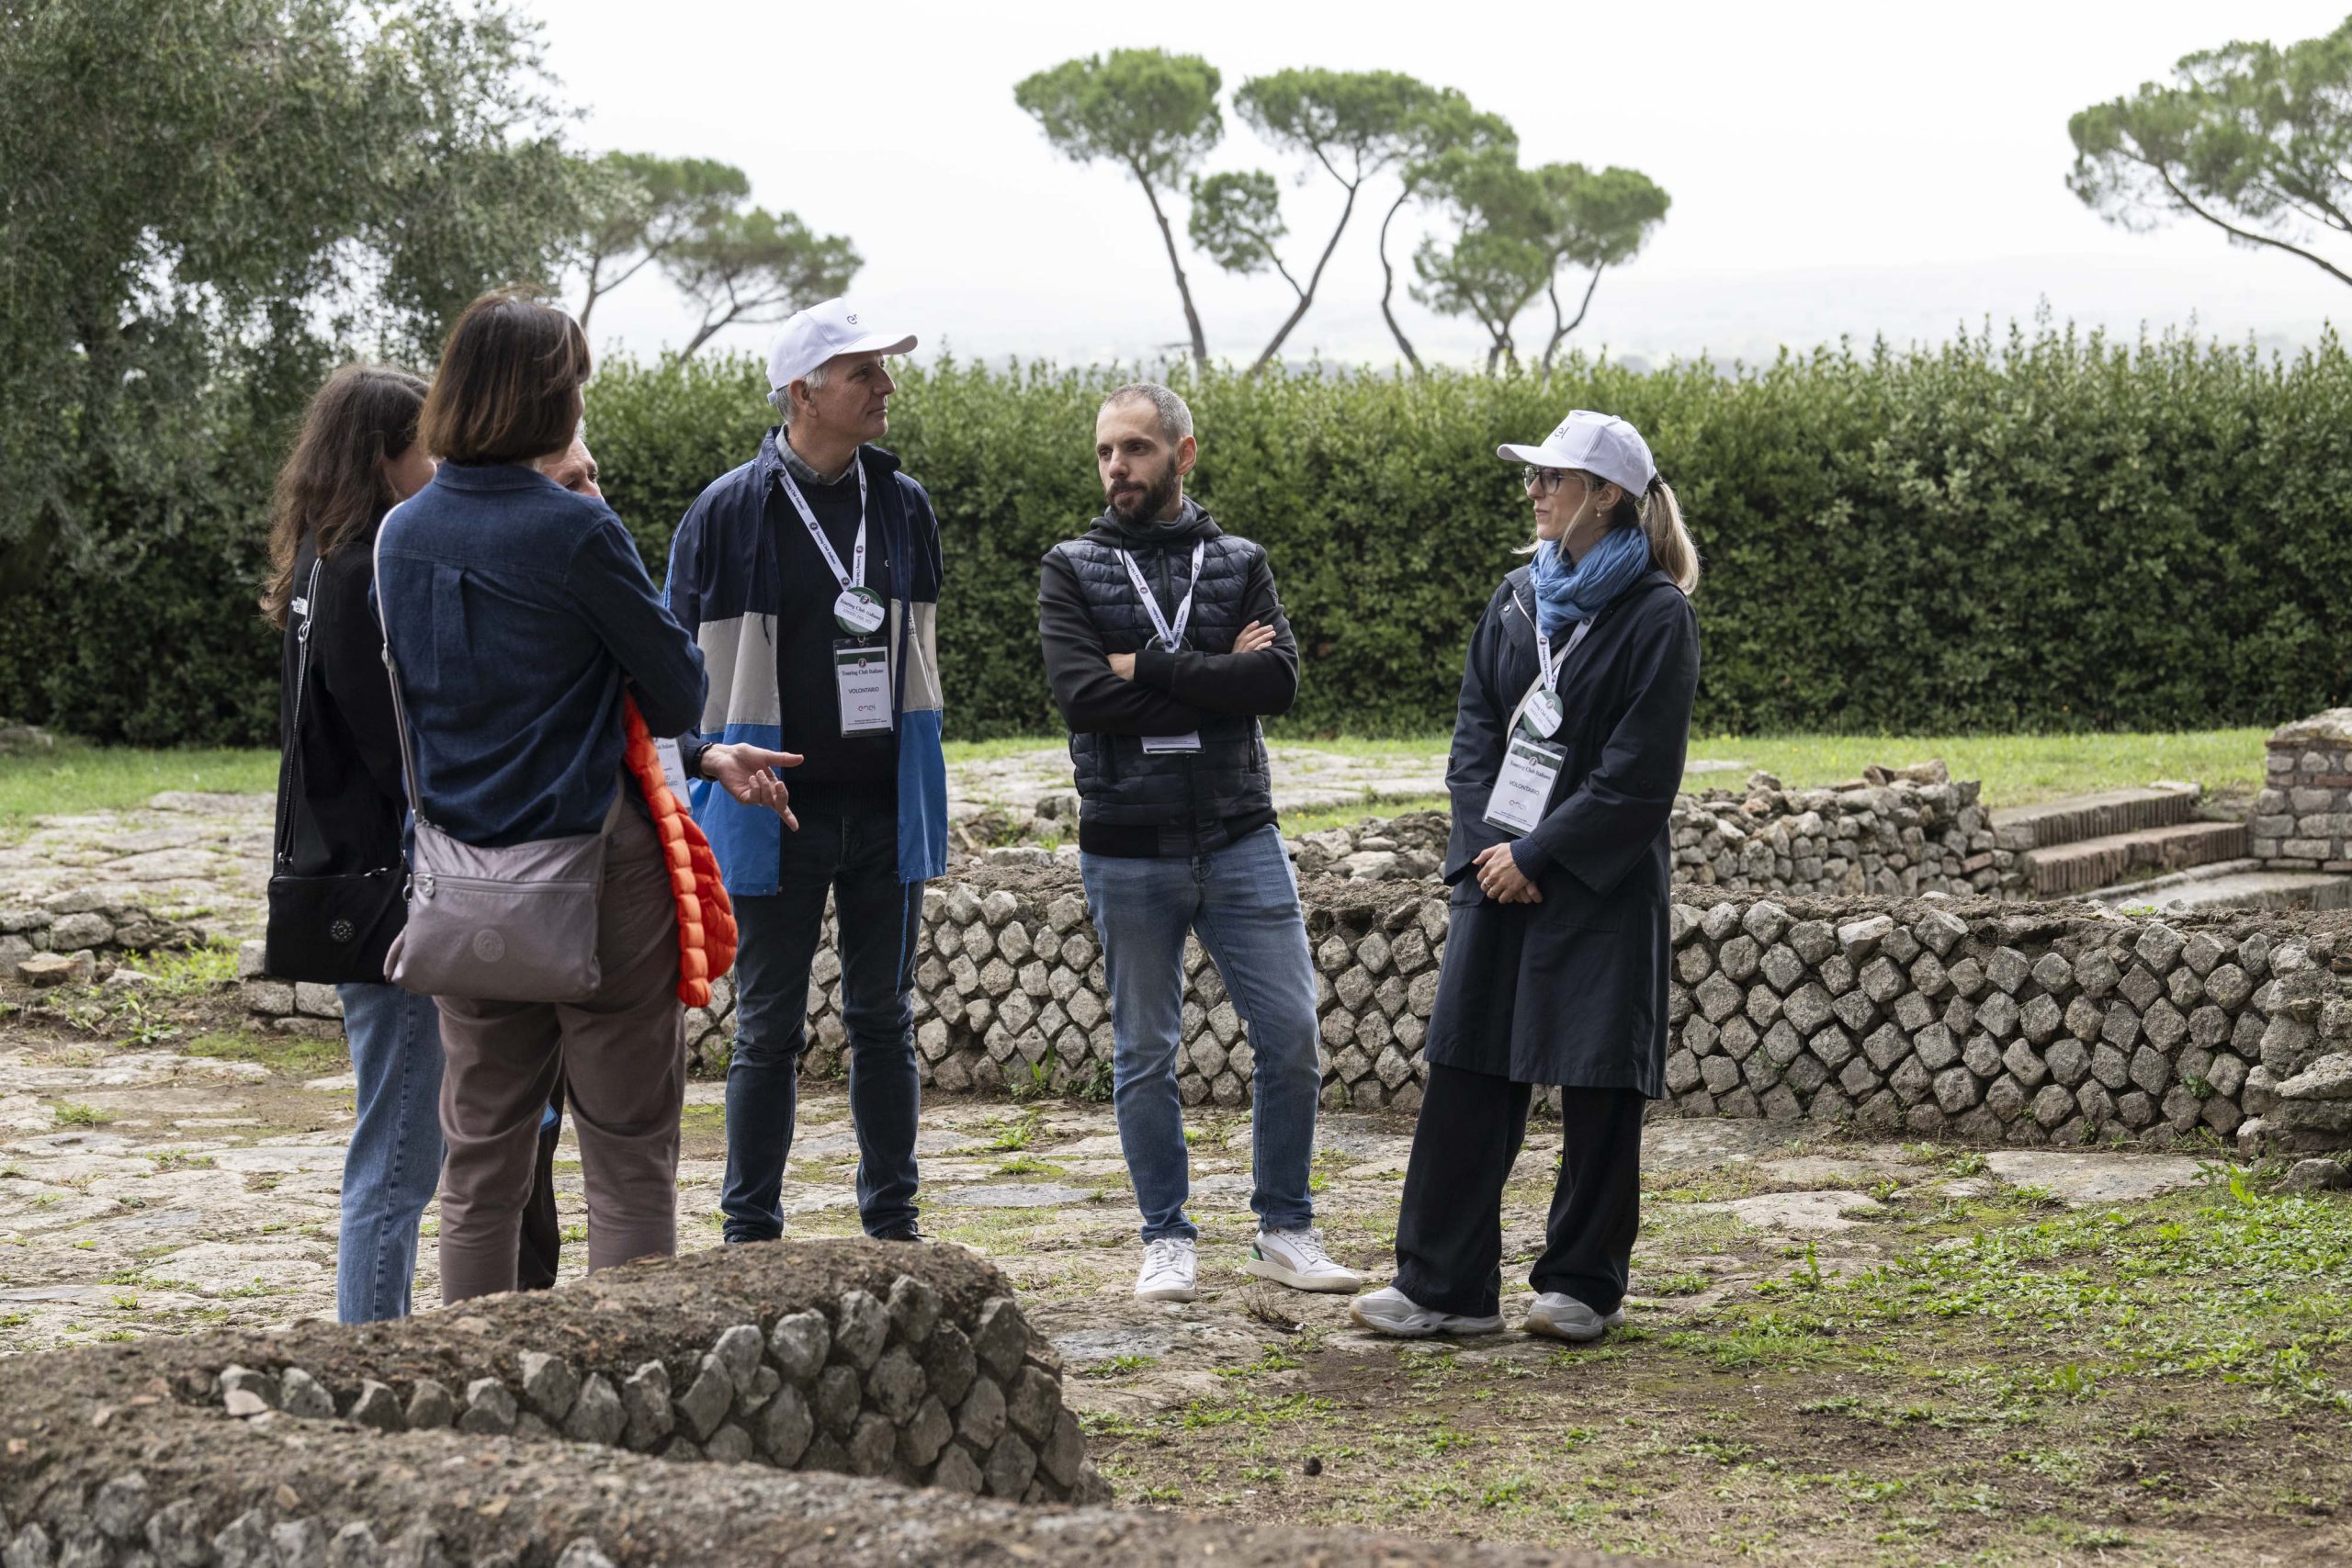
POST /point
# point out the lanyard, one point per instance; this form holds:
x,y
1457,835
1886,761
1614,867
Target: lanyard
x,y
855,577
1547,663
1169,636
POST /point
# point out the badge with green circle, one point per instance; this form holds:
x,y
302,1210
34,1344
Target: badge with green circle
x,y
859,611
1543,713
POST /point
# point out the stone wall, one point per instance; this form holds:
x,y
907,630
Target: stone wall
x,y
1987,1019
83,929
2302,818
1894,838
875,1403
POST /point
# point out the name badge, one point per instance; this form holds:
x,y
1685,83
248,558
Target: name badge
x,y
1160,745
862,680
1523,790
673,769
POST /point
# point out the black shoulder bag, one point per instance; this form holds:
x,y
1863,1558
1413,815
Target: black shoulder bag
x,y
334,930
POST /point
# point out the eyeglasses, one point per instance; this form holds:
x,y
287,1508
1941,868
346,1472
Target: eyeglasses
x,y
1542,482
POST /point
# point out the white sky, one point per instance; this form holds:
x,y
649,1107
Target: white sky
x,y
1837,169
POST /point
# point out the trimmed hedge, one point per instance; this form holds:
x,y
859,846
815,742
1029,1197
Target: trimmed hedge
x,y
2047,533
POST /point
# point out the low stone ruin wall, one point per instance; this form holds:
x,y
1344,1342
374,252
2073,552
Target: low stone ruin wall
x,y
2302,818
1896,839
69,937
1984,1019
433,1443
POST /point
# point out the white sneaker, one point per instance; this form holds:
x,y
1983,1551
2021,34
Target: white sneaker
x,y
1560,1317
1169,1263
1296,1258
1390,1310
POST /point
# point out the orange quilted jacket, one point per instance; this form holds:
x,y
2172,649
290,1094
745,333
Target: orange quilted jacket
x,y
706,921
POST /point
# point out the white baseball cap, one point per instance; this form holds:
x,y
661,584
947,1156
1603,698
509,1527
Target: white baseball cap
x,y
1595,443
820,331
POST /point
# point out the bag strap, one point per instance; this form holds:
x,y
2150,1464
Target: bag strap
x,y
281,852
392,674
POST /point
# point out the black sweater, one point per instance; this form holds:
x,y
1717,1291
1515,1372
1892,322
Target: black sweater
x,y
344,768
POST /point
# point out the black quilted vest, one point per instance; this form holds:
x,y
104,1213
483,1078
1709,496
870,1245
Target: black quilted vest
x,y
1228,776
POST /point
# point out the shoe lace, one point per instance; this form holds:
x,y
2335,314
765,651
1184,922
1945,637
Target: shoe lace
x,y
1308,1245
1161,1255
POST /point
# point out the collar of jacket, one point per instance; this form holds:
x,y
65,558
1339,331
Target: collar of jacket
x,y
879,462
489,476
1189,523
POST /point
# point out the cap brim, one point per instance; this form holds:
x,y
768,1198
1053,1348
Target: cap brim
x,y
1534,455
878,344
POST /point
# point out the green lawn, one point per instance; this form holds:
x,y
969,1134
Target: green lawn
x,y
2015,768
80,777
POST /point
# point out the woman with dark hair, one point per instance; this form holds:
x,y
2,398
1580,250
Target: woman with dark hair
x,y
340,805
1567,753
519,620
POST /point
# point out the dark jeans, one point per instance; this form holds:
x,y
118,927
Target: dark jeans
x,y
542,1250
856,857
1449,1229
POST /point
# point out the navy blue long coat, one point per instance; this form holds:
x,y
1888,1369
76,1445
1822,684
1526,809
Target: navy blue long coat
x,y
1572,990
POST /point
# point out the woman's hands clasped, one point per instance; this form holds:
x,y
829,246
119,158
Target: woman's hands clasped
x,y
1500,877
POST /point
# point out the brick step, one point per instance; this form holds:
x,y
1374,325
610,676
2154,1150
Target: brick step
x,y
2100,816
2084,864
2234,884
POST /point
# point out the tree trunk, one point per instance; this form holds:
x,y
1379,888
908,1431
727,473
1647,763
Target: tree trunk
x,y
1389,281
1558,332
703,335
1306,295
1184,289
595,263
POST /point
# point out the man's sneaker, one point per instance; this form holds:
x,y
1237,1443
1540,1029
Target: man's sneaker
x,y
1390,1310
1296,1258
910,1231
1169,1265
1560,1317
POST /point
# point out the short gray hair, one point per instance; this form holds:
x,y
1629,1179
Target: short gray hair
x,y
1175,419
780,399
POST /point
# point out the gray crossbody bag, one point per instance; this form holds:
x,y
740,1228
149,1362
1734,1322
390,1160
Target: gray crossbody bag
x,y
517,924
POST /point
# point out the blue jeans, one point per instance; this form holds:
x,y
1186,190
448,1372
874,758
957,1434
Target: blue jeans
x,y
878,918
1243,902
393,1164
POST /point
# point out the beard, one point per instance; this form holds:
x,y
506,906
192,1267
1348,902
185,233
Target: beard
x,y
1148,504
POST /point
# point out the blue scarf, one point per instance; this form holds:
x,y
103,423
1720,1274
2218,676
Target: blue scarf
x,y
1566,593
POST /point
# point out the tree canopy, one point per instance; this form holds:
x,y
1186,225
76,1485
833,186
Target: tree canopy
x,y
206,200
756,267
1152,113
2252,137
641,207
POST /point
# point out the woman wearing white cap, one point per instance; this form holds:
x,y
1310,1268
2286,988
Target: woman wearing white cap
x,y
1567,753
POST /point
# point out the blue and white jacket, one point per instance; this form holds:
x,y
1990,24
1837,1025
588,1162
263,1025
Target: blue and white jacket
x,y
724,588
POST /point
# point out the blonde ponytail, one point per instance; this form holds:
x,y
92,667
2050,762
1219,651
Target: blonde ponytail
x,y
1670,545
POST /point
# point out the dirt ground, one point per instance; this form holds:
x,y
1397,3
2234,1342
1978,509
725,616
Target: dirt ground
x,y
1838,1351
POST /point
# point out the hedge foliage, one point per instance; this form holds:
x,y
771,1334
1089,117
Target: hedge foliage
x,y
2046,532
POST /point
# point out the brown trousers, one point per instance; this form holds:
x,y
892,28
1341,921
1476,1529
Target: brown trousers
x,y
621,1054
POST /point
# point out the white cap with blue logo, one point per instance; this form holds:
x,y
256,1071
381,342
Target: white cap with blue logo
x,y
823,331
1594,443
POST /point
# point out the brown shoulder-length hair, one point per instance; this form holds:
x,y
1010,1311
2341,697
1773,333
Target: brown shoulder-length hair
x,y
333,483
508,389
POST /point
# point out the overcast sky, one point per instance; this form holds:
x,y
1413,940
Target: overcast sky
x,y
1836,169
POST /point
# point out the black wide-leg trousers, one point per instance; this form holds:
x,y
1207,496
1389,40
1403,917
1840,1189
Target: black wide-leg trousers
x,y
1449,1232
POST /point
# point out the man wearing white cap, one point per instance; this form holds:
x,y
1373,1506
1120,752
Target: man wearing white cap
x,y
811,579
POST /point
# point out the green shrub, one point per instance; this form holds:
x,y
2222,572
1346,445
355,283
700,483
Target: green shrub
x,y
2051,532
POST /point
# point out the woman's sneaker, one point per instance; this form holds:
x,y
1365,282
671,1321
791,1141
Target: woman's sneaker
x,y
1169,1263
1296,1258
1390,1310
1560,1317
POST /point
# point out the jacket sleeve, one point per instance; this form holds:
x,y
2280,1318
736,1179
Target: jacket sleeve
x,y
1615,815
1078,668
682,596
1479,735
348,661
1263,683
664,668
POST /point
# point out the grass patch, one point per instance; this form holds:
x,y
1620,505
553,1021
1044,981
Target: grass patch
x,y
2017,770
77,777
193,971
71,1113
296,1055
